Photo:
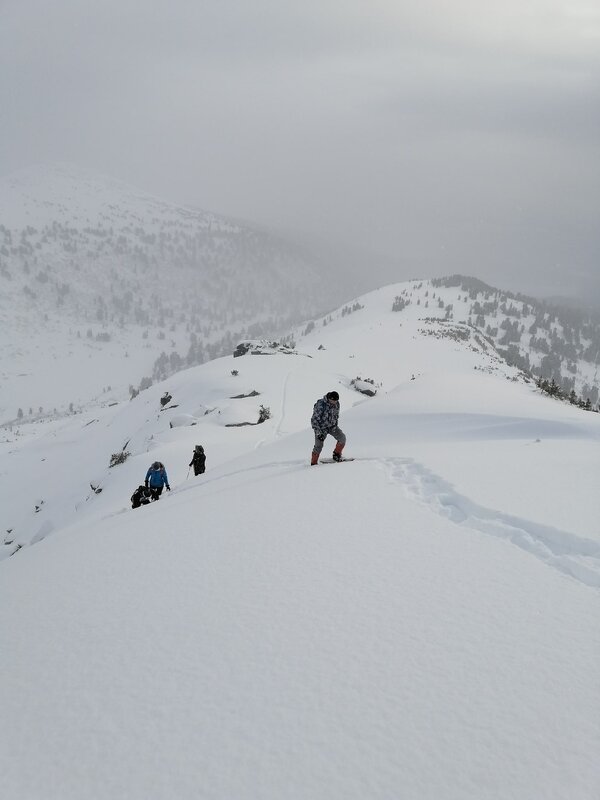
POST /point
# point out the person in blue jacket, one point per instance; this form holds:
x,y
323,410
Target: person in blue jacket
x,y
156,479
324,422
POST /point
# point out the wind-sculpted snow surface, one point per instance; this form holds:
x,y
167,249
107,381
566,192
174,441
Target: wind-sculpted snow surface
x,y
293,632
419,623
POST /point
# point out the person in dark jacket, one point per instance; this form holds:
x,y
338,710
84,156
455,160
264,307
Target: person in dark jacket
x,y
198,460
324,421
141,497
156,479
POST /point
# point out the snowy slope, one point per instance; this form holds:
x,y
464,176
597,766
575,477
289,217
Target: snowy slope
x,y
419,623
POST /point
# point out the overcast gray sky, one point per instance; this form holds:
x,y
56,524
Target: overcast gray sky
x,y
447,136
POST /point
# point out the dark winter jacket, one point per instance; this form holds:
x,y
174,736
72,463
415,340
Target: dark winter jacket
x,y
198,461
157,477
325,416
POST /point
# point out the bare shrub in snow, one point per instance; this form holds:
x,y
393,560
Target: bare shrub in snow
x,y
119,458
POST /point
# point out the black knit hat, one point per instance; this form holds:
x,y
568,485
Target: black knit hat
x,y
333,396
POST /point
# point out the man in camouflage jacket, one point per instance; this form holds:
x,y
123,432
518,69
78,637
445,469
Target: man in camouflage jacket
x,y
324,421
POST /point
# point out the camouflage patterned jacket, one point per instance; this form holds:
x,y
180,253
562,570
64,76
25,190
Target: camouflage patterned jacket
x,y
325,416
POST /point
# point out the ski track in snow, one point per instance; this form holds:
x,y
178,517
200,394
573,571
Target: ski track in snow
x,y
278,431
573,555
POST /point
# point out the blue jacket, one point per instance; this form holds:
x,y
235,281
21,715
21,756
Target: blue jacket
x,y
325,416
157,477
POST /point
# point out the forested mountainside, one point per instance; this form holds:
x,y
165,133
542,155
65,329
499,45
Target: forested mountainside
x,y
77,245
553,342
93,271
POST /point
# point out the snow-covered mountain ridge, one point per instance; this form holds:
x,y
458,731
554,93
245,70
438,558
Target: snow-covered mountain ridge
x,y
420,622
548,341
92,266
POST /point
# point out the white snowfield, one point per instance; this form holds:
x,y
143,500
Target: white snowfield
x,y
421,623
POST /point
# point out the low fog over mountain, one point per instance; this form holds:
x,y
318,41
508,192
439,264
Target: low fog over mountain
x,y
91,265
